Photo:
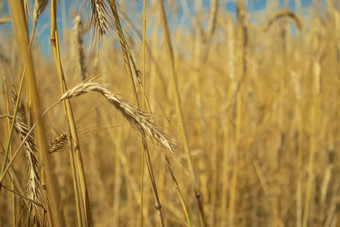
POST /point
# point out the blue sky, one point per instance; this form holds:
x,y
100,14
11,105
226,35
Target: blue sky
x,y
253,7
261,4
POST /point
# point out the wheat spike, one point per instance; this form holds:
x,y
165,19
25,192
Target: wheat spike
x,y
58,143
39,7
79,47
34,183
98,15
141,120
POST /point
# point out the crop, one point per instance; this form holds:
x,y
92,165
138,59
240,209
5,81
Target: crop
x,y
169,113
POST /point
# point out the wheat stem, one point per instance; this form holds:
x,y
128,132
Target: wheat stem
x,y
18,15
76,151
179,110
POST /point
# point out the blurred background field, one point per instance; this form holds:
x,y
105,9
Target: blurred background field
x,y
258,85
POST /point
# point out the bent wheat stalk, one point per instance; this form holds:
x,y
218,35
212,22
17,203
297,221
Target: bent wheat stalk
x,y
138,118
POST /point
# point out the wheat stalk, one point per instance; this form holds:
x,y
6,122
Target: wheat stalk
x,y
21,32
138,118
288,14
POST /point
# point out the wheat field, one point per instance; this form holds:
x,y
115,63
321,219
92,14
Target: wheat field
x,y
169,113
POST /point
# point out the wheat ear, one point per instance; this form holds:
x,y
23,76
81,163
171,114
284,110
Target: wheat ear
x,y
98,15
34,183
58,143
138,118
